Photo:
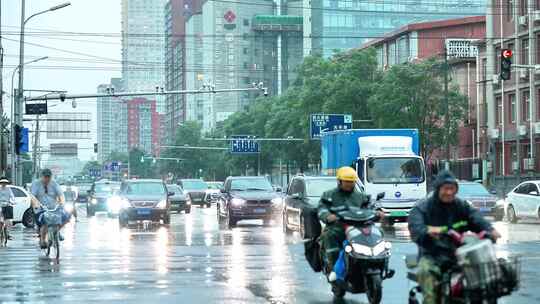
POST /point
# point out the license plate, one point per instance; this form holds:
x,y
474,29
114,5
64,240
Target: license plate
x,y
259,210
398,213
143,211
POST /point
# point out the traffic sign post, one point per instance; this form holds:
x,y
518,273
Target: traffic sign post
x,y
243,144
320,123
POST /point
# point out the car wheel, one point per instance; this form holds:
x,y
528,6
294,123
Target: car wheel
x,y
231,221
208,205
28,218
167,219
90,212
512,217
122,222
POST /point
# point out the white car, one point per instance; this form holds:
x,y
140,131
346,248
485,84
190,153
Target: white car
x,y
523,201
22,211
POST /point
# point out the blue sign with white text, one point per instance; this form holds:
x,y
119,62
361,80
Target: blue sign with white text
x,y
244,145
25,146
320,123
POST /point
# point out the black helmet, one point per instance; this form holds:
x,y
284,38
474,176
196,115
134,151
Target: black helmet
x,y
46,172
443,178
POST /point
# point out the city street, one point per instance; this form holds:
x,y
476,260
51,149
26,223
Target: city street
x,y
194,261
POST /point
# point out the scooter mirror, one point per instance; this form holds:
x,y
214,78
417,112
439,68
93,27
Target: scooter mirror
x,y
380,196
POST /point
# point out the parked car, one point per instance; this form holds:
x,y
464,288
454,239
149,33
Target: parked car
x,y
144,200
480,198
99,196
180,201
196,189
523,201
247,198
213,192
22,211
303,193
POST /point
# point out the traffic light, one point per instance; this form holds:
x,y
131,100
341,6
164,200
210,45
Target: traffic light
x,y
506,64
95,148
18,139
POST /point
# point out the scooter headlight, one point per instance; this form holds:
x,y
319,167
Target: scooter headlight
x,y
381,247
362,249
93,201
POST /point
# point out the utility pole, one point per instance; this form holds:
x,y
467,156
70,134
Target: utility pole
x,y
447,106
3,156
36,148
16,171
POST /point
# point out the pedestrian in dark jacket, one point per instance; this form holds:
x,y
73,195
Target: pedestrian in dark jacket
x,y
433,216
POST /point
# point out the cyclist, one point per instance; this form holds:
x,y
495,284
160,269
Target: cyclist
x,y
6,197
48,193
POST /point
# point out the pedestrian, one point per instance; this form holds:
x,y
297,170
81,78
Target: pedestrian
x,y
7,198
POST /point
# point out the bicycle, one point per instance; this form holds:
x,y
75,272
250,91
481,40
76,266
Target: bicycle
x,y
52,218
4,229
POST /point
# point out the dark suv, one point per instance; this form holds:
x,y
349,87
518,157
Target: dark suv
x,y
247,198
99,195
144,200
196,189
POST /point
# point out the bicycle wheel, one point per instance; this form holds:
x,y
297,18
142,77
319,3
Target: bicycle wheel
x,y
6,234
3,237
56,242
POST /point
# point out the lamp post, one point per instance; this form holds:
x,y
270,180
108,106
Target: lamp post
x,y
17,109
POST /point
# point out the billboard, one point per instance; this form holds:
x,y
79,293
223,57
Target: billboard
x,y
68,125
64,150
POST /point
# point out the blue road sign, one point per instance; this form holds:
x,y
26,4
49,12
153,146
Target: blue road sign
x,y
95,172
320,123
25,146
244,145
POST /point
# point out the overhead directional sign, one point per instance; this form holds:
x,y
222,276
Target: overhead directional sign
x,y
320,123
244,145
95,172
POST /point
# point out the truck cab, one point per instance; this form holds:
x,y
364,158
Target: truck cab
x,y
386,160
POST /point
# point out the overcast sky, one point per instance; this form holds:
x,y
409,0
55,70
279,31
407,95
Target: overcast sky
x,y
83,16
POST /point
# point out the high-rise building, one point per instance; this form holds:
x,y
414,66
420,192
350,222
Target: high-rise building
x,y
144,127
344,24
143,46
111,121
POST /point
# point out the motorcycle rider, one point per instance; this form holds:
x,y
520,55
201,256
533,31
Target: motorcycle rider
x,y
344,195
6,195
48,193
429,219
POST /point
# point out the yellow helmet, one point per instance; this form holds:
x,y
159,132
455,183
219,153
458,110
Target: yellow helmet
x,y
347,174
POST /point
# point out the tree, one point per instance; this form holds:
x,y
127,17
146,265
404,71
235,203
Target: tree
x,y
89,166
412,96
140,168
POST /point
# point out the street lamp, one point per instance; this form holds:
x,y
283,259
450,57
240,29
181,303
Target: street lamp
x,y
16,172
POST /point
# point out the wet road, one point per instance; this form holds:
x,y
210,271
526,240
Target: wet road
x,y
194,261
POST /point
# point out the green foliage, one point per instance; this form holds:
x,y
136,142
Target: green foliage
x,y
91,165
412,96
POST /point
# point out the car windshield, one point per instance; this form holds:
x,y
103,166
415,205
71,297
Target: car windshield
x,y
472,189
403,170
106,188
175,188
142,188
215,186
243,184
316,187
194,185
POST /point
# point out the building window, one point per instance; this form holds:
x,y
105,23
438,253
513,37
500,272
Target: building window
x,y
499,110
246,22
245,51
523,7
512,107
525,114
525,51
509,10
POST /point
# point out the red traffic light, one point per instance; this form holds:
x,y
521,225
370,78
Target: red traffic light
x,y
507,53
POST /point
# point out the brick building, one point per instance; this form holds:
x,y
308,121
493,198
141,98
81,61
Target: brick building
x,y
145,125
458,38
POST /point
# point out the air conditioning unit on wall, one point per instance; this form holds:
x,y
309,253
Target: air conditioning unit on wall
x,y
537,128
522,20
522,130
523,73
536,15
494,133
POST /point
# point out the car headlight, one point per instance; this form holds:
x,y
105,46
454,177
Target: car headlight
x,y
68,208
237,202
93,201
381,247
114,203
277,202
188,200
162,204
362,249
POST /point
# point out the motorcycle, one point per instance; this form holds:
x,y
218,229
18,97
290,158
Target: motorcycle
x,y
471,274
4,229
366,254
53,220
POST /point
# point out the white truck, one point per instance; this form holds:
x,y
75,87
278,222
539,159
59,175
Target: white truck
x,y
387,160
